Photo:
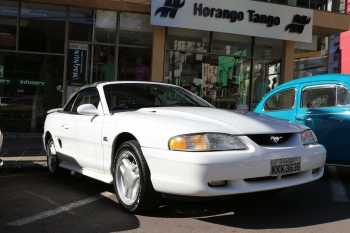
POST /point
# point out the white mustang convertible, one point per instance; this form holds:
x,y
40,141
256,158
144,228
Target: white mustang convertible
x,y
155,140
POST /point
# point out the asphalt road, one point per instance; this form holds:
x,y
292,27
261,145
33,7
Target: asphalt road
x,y
32,201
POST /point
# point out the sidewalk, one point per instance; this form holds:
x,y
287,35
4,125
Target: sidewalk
x,y
22,151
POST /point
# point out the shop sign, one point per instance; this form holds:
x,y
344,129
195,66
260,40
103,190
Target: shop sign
x,y
6,81
249,18
77,64
32,83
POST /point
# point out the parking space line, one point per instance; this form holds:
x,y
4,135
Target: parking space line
x,y
337,187
48,200
59,210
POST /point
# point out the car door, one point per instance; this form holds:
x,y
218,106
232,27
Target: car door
x,y
87,132
280,103
66,122
324,109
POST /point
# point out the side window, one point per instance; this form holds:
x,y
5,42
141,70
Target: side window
x,y
283,100
69,106
87,96
319,97
343,96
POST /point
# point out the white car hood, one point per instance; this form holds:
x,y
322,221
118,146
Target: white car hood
x,y
231,122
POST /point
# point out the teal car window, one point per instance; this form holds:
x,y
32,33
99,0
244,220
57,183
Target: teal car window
x,y
283,100
319,97
343,96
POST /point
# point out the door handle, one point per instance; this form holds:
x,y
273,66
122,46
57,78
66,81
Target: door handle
x,y
65,126
300,118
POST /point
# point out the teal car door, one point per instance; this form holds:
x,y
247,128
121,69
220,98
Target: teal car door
x,y
280,103
325,109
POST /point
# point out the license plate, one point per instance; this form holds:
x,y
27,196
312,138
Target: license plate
x,y
285,166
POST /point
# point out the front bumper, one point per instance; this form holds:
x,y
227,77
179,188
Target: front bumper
x,y
188,173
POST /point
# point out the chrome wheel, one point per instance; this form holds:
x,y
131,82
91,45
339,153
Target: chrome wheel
x,y
127,177
51,157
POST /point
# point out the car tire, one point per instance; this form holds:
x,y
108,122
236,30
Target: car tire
x,y
53,162
132,179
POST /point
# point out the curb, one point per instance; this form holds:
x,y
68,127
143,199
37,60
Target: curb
x,y
15,164
21,135
22,167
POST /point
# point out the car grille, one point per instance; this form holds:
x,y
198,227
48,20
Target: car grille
x,y
270,139
266,178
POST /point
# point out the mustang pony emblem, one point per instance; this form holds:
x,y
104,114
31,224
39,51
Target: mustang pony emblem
x,y
275,139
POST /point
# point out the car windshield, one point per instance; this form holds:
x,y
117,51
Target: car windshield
x,y
141,95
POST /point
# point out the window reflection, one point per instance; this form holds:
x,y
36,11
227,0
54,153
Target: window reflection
x,y
34,84
135,46
103,63
8,22
283,100
311,58
188,40
220,73
42,28
231,44
105,28
231,87
81,24
221,80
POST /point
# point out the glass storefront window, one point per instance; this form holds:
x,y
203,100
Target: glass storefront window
x,y
42,28
231,87
81,24
135,47
221,80
329,5
230,44
311,58
267,49
325,5
266,69
105,27
188,40
266,76
34,84
103,63
8,24
214,66
184,69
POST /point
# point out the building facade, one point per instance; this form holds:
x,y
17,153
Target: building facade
x,y
344,50
229,52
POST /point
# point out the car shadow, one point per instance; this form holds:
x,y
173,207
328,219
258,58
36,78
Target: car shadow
x,y
81,204
107,209
300,206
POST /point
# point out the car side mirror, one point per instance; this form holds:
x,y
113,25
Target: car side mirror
x,y
88,109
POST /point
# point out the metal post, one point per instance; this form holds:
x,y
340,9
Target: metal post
x,y
64,99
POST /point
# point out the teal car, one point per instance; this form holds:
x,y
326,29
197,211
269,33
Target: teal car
x,y
321,102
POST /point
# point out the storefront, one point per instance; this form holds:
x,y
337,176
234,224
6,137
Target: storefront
x,y
230,53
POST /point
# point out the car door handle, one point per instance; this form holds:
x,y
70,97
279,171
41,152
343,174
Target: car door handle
x,y
300,118
65,126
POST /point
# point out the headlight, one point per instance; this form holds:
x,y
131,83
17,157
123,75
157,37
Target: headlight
x,y
206,142
308,137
